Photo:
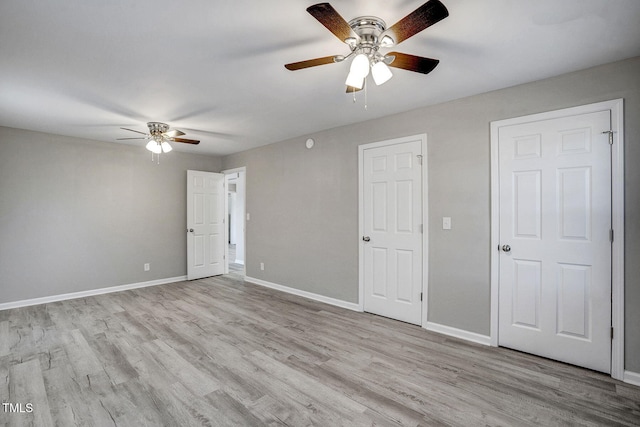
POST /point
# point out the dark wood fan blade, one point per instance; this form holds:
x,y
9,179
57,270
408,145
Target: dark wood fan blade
x,y
174,132
331,19
418,64
426,15
188,141
136,131
122,139
310,63
351,89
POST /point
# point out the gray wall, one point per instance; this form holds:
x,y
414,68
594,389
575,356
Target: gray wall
x,y
78,215
304,203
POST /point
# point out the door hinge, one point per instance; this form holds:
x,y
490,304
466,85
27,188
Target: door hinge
x,y
612,332
611,235
420,296
419,156
610,133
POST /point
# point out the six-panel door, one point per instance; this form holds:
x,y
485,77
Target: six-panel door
x,y
205,224
392,185
555,216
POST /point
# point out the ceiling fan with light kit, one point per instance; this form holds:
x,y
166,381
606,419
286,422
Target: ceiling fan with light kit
x,y
367,35
159,137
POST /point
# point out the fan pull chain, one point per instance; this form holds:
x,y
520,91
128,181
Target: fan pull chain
x,y
365,93
157,159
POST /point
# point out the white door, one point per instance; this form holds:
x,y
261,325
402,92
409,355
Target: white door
x,y
555,247
392,230
205,224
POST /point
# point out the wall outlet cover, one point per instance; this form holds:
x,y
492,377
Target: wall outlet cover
x,y
446,223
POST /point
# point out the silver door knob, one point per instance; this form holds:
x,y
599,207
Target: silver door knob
x,y
366,238
506,248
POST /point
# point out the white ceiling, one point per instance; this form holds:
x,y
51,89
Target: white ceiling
x,y
215,69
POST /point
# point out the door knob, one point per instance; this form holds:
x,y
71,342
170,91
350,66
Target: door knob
x,y
366,238
190,230
506,248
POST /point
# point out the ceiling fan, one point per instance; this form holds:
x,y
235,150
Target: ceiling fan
x,y
366,35
159,136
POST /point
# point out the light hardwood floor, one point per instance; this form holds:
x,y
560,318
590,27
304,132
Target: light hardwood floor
x,y
224,352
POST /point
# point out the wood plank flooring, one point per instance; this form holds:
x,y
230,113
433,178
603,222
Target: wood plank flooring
x,y
222,352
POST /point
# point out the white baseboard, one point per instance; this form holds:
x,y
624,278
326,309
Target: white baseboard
x,y
89,293
632,378
459,333
305,294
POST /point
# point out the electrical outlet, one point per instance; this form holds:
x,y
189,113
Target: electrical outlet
x,y
262,266
147,266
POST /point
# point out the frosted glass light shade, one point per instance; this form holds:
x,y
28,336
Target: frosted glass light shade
x,y
154,147
380,72
166,147
360,65
355,80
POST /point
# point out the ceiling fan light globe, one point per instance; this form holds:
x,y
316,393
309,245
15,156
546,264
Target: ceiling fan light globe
x,y
155,148
381,73
166,147
354,80
360,65
151,145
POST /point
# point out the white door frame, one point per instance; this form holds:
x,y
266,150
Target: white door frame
x,y
425,216
244,219
617,219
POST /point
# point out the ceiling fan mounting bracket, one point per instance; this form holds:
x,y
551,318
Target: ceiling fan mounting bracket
x,y
369,29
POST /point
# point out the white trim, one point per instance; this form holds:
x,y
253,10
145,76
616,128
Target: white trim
x,y
425,231
89,293
495,235
425,217
632,378
458,333
617,248
304,294
617,205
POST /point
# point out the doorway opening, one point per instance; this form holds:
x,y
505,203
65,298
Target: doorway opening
x,y
235,218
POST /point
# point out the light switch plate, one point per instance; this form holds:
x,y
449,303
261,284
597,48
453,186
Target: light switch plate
x,y
446,223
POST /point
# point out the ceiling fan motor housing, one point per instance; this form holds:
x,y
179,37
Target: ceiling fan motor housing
x,y
157,128
368,29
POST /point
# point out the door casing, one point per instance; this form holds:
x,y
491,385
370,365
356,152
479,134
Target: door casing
x,y
617,204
